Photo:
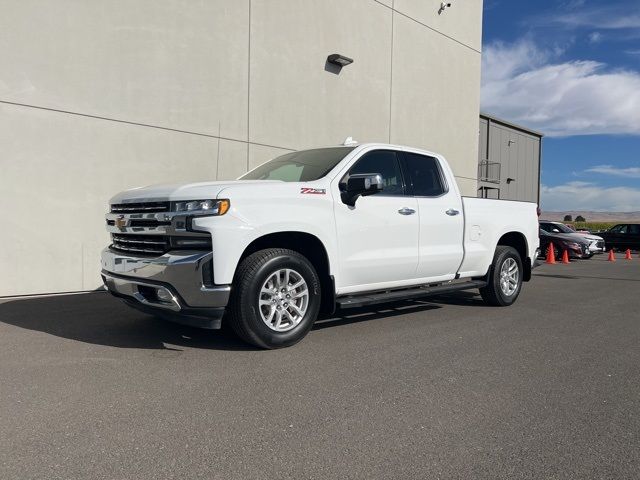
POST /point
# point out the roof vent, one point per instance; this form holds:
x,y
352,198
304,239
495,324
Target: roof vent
x,y
350,141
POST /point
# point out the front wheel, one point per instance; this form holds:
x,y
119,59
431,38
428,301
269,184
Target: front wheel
x,y
504,278
275,298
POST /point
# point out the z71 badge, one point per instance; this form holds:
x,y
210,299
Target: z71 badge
x,y
313,191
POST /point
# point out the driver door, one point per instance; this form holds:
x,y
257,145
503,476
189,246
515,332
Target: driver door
x,y
378,237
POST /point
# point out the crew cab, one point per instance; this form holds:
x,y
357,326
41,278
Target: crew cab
x,y
311,231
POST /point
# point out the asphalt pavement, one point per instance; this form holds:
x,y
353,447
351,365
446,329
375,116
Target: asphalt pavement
x,y
444,388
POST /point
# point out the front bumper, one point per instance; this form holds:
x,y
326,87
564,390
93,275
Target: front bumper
x,y
177,285
581,252
597,247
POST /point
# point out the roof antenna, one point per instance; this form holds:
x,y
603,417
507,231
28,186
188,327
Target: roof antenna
x,y
350,141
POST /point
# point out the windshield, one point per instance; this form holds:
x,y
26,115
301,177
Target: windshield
x,y
302,166
549,227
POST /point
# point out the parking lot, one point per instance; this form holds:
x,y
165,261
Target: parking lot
x,y
444,388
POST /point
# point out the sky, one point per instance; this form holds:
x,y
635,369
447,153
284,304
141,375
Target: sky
x,y
571,70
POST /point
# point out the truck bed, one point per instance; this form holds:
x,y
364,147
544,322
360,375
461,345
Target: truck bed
x,y
486,221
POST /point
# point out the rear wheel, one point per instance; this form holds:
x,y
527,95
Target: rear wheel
x,y
275,298
504,278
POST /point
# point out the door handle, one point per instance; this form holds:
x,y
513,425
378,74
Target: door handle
x,y
452,212
406,211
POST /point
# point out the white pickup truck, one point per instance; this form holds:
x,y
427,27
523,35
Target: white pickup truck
x,y
309,231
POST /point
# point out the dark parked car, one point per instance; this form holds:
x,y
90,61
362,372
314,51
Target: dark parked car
x,y
622,236
576,247
596,243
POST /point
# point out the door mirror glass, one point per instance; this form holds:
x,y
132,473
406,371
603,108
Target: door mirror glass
x,y
361,185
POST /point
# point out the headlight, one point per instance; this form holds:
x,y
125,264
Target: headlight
x,y
203,207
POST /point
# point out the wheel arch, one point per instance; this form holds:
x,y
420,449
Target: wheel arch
x,y
518,241
312,248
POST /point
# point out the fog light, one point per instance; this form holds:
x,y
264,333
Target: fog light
x,y
164,295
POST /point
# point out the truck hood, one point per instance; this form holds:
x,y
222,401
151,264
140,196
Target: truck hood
x,y
184,191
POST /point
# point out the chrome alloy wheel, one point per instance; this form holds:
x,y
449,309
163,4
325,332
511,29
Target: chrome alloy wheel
x,y
283,300
509,275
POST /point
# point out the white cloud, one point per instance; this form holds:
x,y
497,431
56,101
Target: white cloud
x,y
521,83
594,37
608,17
574,4
629,172
588,196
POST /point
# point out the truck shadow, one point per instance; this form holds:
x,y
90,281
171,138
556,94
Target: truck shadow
x,y
374,312
387,310
100,319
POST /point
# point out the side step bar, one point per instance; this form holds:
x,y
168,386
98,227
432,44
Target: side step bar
x,y
353,301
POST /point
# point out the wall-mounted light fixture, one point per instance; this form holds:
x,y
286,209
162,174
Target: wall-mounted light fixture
x,y
509,180
443,7
339,60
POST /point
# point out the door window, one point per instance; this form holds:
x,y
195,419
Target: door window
x,y
424,175
619,229
384,162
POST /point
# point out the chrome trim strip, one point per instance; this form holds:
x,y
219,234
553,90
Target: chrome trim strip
x,y
177,223
146,242
121,209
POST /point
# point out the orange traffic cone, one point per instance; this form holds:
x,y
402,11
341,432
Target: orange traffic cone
x,y
627,255
565,257
551,256
612,256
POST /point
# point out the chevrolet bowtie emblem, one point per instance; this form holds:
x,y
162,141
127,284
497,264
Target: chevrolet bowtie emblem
x,y
121,222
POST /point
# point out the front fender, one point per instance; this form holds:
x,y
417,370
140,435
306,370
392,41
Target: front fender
x,y
232,234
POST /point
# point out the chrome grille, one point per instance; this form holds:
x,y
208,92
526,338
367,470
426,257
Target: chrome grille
x,y
149,244
157,244
146,207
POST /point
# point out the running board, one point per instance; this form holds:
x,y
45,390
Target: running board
x,y
364,299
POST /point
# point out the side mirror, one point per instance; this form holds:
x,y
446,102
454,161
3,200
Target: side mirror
x,y
361,184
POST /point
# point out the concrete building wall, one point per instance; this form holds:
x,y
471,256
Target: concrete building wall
x,y
513,154
97,97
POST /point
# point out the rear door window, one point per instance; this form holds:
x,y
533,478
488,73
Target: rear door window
x,y
424,175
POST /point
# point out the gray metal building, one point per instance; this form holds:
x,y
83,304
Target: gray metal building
x,y
508,161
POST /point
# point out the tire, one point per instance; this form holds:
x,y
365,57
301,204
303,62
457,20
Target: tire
x,y
256,293
494,294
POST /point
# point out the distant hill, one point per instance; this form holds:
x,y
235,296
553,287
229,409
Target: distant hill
x,y
594,216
